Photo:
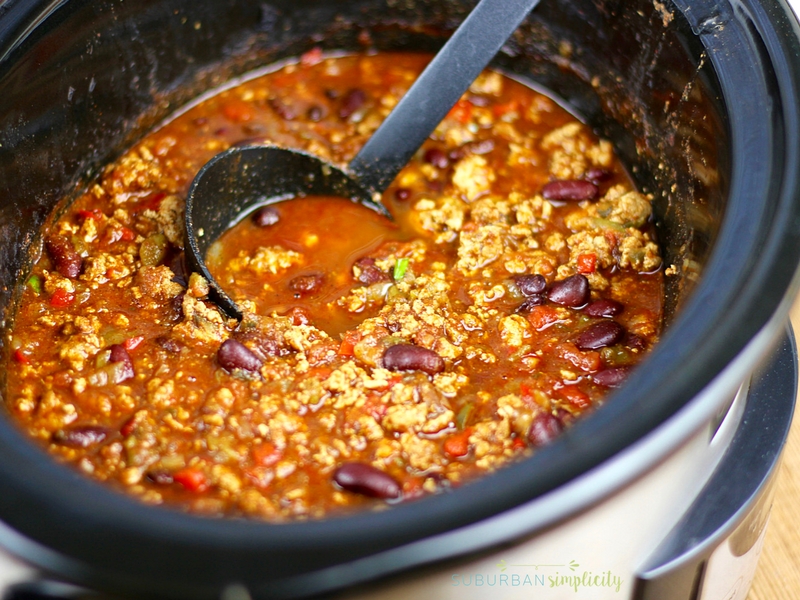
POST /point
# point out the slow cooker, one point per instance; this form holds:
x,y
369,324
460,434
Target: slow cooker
x,y
661,493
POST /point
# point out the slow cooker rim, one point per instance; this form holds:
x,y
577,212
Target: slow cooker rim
x,y
253,534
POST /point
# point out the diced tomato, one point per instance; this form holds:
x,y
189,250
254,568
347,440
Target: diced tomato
x,y
312,57
542,316
461,112
95,214
587,263
299,316
349,341
585,360
374,407
152,201
133,343
237,111
412,488
518,444
526,389
192,479
320,372
21,357
62,298
501,109
127,235
457,445
129,425
266,454
574,396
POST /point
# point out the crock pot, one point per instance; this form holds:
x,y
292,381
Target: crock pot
x,y
701,100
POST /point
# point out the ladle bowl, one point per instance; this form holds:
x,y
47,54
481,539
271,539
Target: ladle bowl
x,y
237,180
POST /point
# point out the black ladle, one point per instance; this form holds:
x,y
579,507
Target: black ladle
x,y
243,177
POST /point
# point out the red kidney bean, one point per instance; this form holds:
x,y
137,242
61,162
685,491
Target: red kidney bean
x,y
402,194
169,344
599,335
612,377
67,261
597,175
569,190
266,216
635,342
530,285
315,113
544,429
530,302
369,273
232,354
456,154
259,344
408,357
437,158
480,146
603,308
285,111
120,355
159,477
351,102
572,291
80,436
176,306
305,284
367,480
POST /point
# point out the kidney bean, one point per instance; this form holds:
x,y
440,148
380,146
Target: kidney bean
x,y
569,190
408,357
530,302
80,436
635,342
437,158
119,354
351,102
544,429
367,480
603,308
612,377
258,343
369,273
597,175
315,113
176,305
169,344
402,194
530,285
572,291
285,111
232,354
480,146
266,216
67,261
305,284
159,477
600,335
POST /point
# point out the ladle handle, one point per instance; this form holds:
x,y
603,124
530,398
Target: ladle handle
x,y
473,45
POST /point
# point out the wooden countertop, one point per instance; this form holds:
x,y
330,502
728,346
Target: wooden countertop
x,y
778,574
